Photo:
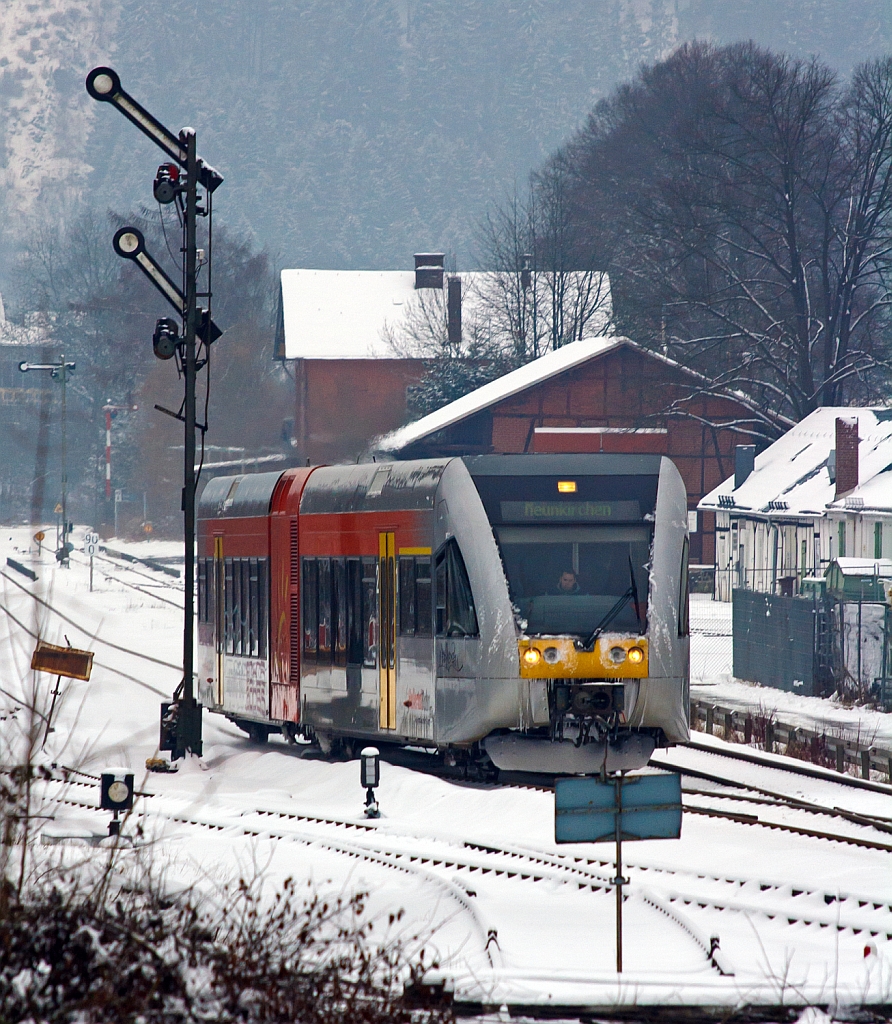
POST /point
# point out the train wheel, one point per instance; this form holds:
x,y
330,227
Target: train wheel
x,y
257,731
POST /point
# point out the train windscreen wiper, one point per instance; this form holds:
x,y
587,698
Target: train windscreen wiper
x,y
589,643
630,595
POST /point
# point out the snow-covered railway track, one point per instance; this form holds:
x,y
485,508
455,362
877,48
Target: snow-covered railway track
x,y
462,866
122,567
787,766
91,633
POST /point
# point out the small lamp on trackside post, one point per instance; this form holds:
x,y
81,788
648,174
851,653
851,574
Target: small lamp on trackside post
x,y
369,777
116,795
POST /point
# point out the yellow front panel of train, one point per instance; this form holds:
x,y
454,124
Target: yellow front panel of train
x,y
557,658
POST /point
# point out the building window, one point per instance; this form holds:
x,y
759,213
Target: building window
x,y
841,540
877,540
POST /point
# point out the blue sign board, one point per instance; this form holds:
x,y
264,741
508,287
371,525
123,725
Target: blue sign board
x,y
648,807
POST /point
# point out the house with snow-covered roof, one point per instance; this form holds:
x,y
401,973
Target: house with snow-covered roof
x,y
355,340
821,492
602,394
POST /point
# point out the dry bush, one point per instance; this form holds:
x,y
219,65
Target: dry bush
x,y
90,954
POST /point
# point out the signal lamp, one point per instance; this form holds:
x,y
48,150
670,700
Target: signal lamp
x,y
636,655
566,486
166,183
531,657
617,655
166,338
129,243
116,795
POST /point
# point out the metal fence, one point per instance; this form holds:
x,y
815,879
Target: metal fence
x,y
785,642
711,658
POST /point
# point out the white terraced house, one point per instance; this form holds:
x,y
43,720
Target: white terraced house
x,y
821,492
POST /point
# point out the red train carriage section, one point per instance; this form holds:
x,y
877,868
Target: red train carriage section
x,y
258,556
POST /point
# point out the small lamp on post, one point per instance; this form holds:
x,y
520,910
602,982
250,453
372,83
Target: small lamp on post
x,y
370,776
116,795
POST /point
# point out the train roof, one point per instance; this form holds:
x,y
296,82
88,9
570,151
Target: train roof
x,y
540,464
373,487
232,497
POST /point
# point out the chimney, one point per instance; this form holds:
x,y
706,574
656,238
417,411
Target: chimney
x,y
429,270
846,454
453,312
744,463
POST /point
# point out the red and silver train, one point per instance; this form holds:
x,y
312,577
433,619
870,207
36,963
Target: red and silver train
x,y
522,612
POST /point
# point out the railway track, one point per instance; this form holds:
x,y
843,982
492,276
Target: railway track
x,y
125,567
790,766
91,633
670,890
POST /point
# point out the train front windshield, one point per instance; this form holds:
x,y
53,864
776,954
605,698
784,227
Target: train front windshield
x,y
569,579
575,545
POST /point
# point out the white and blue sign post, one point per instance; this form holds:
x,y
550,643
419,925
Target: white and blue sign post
x,y
591,810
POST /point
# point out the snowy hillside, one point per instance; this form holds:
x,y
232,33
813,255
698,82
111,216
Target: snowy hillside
x,y
351,133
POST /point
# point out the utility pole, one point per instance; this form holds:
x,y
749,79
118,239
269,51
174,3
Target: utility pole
x,y
174,183
59,371
109,410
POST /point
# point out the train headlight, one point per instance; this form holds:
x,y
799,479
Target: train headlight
x,y
617,655
531,657
552,655
636,655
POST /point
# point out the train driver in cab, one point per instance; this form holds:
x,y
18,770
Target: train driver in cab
x,y
567,584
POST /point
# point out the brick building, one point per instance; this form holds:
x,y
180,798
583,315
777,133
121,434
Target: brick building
x,y
343,334
599,395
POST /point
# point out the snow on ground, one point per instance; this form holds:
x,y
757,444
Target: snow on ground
x,y
512,917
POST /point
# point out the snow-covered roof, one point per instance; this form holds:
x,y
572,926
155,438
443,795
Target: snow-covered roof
x,y
345,314
339,314
549,365
881,567
791,477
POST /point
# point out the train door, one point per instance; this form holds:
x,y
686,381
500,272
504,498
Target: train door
x,y
387,631
219,615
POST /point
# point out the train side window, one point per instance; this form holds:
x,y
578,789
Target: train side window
x,y
263,607
415,596
324,599
423,597
210,577
253,608
456,615
407,596
370,612
310,607
245,609
354,612
684,600
228,633
339,601
202,590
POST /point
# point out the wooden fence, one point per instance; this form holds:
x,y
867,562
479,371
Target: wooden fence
x,y
764,730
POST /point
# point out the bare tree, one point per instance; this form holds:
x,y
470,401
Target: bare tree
x,y
752,194
542,288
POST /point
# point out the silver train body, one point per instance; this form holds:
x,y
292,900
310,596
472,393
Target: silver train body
x,y
527,611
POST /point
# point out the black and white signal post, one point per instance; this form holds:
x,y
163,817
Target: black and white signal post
x,y
178,182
